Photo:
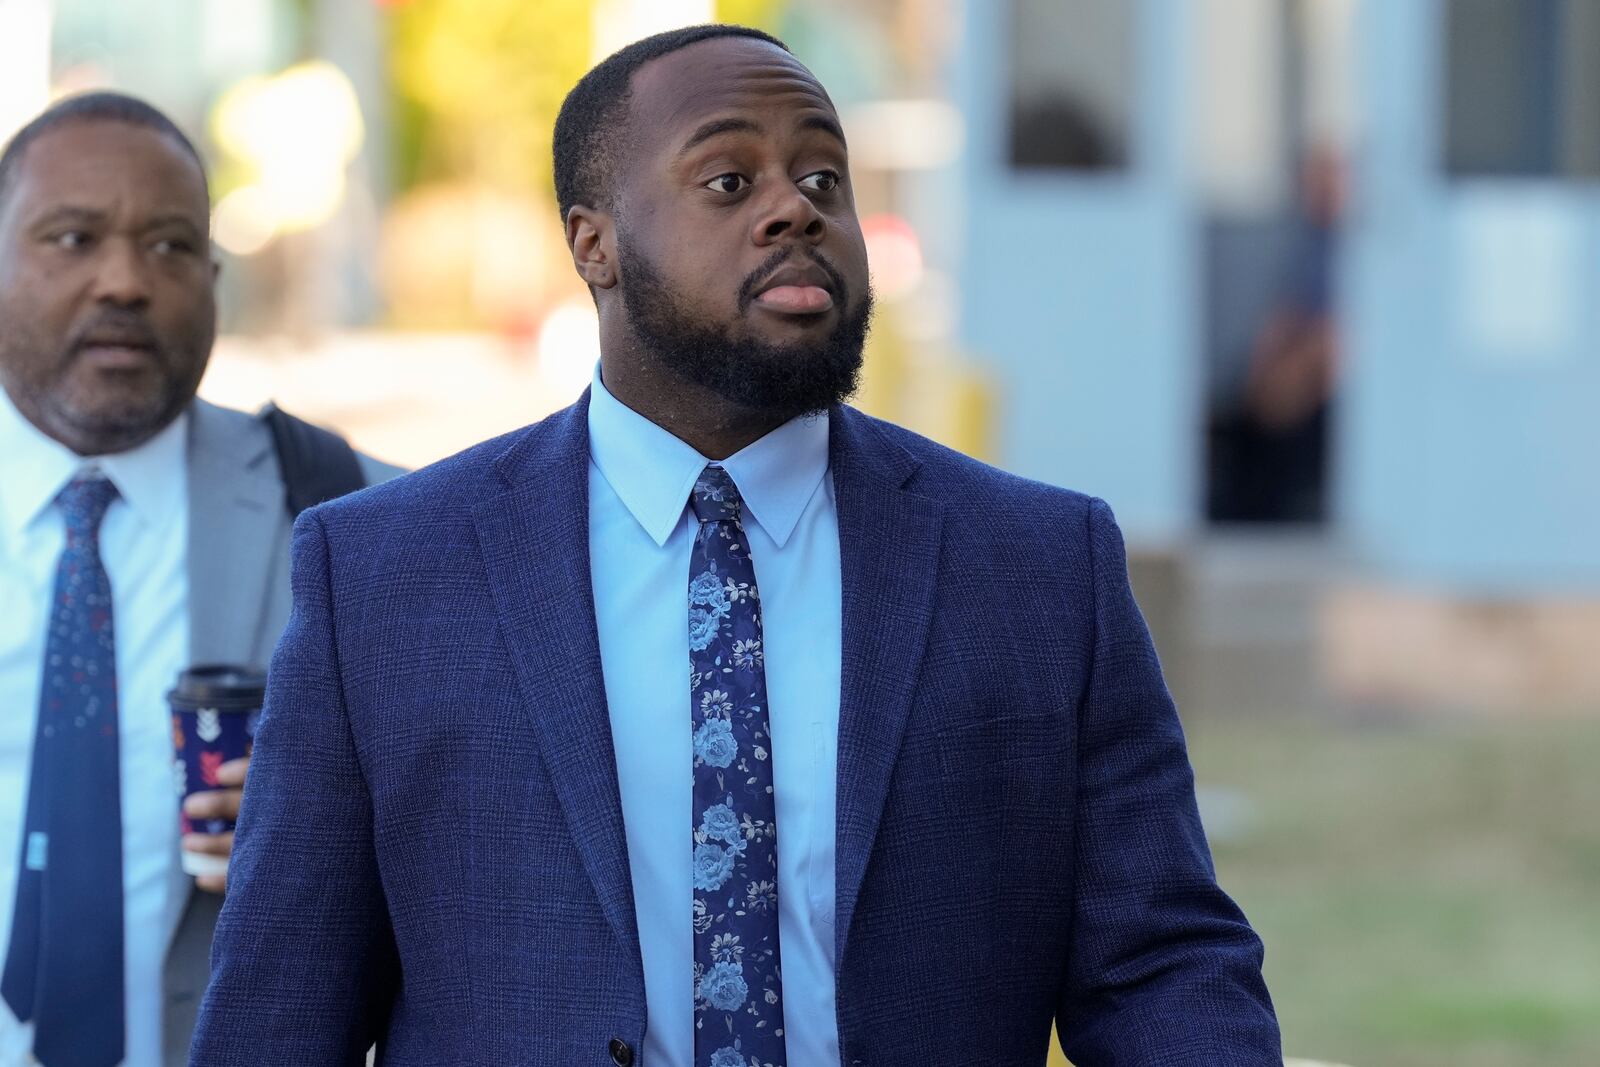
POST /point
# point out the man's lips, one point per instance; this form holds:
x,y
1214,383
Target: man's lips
x,y
797,289
796,299
114,355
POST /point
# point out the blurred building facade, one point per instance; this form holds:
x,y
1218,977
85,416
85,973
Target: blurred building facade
x,y
1163,197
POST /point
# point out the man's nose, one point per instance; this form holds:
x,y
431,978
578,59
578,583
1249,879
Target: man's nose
x,y
791,214
123,275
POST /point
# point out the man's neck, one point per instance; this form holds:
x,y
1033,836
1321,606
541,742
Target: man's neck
x,y
700,418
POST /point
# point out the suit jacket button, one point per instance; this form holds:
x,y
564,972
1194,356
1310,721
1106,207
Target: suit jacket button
x,y
621,1054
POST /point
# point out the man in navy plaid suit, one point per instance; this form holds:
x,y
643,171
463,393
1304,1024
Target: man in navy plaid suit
x,y
710,721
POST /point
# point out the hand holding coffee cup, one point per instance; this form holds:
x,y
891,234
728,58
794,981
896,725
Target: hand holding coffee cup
x,y
216,805
214,713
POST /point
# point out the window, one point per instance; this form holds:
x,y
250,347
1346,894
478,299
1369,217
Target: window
x,y
1072,83
1522,88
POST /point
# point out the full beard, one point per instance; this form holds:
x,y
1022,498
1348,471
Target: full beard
x,y
776,382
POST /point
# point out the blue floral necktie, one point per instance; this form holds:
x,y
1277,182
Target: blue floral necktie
x,y
64,967
738,989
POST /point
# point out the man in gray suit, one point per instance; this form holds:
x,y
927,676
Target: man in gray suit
x,y
141,531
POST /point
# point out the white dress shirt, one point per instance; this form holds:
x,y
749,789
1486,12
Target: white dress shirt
x,y
640,537
144,545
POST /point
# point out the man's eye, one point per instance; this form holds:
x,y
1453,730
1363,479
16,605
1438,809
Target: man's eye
x,y
71,240
727,183
823,181
173,246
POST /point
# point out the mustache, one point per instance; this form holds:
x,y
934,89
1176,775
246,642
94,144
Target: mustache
x,y
116,326
776,262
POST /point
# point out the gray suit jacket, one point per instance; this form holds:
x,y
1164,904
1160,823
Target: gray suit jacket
x,y
238,604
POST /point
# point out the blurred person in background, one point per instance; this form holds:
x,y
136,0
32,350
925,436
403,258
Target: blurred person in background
x,y
1278,435
141,530
709,721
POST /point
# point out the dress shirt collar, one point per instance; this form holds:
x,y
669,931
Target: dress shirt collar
x,y
652,471
34,468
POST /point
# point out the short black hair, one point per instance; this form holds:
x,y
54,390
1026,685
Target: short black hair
x,y
593,117
99,106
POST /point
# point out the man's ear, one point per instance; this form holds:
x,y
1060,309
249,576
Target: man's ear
x,y
591,235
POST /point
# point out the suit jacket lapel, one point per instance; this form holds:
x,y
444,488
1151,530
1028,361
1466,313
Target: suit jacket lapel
x,y
535,543
236,518
889,553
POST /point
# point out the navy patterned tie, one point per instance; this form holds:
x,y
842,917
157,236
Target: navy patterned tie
x,y
738,990
64,966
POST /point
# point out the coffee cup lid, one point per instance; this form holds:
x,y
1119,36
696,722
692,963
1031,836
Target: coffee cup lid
x,y
226,687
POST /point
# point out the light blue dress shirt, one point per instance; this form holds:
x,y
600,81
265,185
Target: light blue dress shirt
x,y
640,535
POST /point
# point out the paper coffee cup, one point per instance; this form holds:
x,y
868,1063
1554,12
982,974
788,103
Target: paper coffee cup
x,y
215,708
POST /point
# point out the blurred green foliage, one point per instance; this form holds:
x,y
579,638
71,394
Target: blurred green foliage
x,y
478,85
761,14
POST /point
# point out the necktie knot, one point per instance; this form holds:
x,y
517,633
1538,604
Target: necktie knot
x,y
84,502
715,498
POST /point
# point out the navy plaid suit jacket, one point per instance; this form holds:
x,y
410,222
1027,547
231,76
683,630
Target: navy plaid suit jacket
x,y
431,854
